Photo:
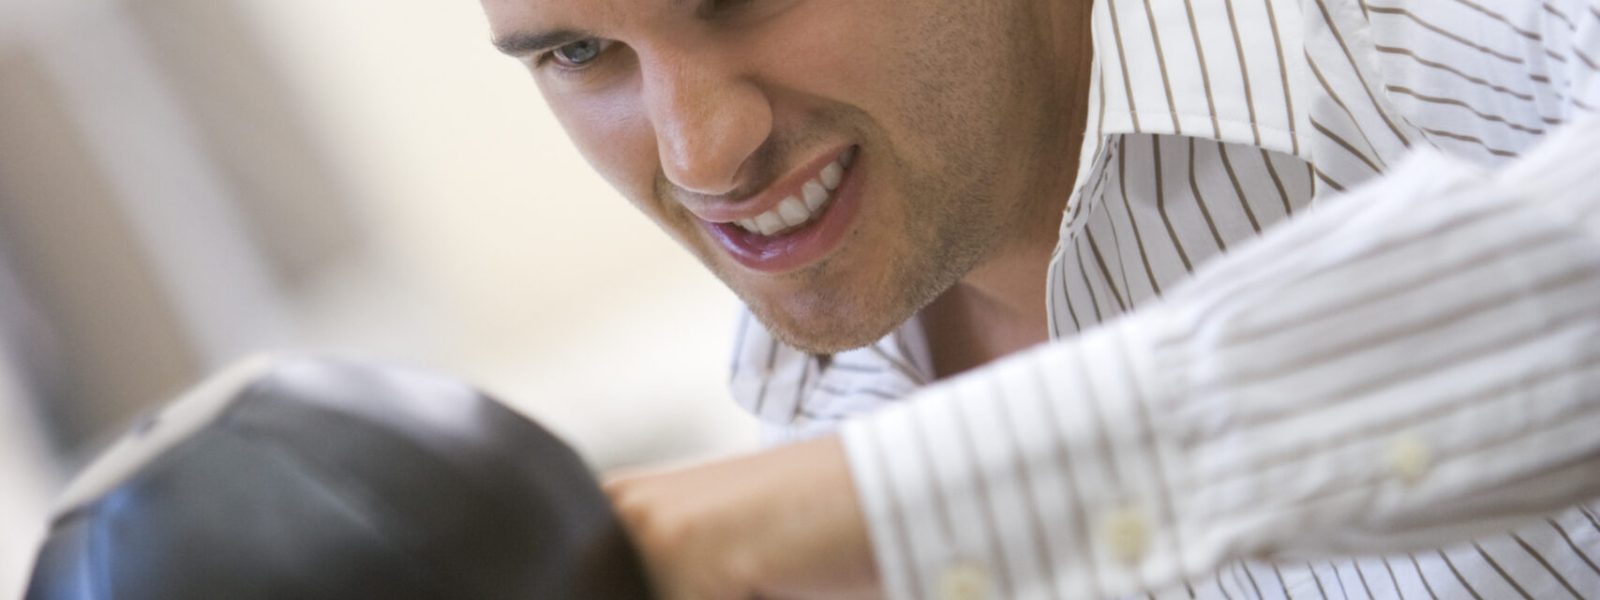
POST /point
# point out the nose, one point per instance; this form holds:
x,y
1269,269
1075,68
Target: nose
x,y
708,121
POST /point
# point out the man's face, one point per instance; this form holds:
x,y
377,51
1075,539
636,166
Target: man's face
x,y
837,163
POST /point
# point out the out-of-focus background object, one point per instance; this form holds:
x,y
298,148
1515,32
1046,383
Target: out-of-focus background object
x,y
185,182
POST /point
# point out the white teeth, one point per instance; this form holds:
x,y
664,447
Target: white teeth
x,y
793,212
769,223
815,195
796,211
831,175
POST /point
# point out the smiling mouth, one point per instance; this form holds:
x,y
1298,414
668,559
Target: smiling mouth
x,y
797,211
804,227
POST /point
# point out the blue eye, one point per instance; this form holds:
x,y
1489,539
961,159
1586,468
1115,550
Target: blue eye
x,y
580,53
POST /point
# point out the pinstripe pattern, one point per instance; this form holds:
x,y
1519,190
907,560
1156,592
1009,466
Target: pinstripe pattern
x,y
1211,122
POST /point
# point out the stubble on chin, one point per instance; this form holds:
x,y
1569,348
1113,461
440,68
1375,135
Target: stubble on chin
x,y
825,319
834,312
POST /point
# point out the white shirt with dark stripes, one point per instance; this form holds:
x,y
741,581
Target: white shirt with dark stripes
x,y
1336,265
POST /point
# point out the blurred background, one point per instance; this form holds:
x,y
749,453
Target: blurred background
x,y
187,182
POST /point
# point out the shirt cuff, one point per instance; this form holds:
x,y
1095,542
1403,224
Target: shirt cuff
x,y
993,486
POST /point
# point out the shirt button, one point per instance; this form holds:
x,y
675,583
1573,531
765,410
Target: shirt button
x,y
964,581
1127,533
1409,457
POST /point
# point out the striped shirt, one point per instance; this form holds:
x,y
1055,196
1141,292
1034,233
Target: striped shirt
x,y
1390,395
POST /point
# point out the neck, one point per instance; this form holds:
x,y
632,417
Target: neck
x,y
1000,306
996,310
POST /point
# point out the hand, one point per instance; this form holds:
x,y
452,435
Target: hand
x,y
779,524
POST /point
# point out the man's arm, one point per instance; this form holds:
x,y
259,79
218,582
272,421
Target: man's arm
x,y
1409,366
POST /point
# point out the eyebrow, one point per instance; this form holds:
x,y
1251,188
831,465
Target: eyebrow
x,y
523,43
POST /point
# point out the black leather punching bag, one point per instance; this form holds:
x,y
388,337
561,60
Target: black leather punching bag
x,y
324,480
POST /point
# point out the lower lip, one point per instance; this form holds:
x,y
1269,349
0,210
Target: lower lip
x,y
803,246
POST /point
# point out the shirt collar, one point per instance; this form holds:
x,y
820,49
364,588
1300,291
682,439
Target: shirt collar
x,y
1213,69
785,386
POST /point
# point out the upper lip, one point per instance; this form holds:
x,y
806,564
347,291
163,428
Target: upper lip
x,y
728,211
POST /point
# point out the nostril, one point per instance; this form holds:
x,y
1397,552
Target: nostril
x,y
699,172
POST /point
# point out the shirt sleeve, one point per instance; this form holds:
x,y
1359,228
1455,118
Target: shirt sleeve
x,y
1409,366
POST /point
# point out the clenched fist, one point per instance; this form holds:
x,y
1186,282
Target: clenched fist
x,y
780,524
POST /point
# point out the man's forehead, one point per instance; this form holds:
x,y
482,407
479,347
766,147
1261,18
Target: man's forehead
x,y
523,15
